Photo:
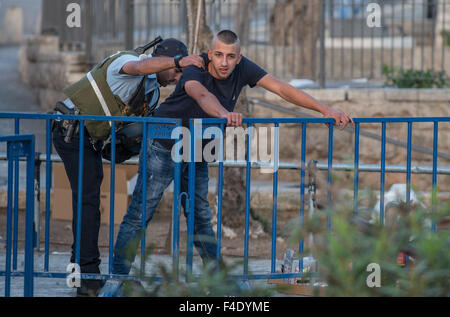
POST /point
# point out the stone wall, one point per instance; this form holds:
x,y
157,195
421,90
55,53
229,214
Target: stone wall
x,y
47,70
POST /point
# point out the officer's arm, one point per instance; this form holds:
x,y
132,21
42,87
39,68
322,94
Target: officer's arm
x,y
210,104
302,99
158,64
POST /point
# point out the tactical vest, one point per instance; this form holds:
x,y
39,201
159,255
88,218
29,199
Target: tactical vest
x,y
93,96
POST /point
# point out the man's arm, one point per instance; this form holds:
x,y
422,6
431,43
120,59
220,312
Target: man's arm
x,y
158,64
302,99
210,104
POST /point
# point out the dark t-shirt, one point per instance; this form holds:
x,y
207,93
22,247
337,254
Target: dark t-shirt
x,y
180,105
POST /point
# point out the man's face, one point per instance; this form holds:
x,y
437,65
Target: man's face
x,y
224,58
168,77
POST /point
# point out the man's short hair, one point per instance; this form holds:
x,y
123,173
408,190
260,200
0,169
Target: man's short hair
x,y
227,37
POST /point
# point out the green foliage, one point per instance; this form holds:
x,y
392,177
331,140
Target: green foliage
x,y
215,281
446,37
344,252
410,78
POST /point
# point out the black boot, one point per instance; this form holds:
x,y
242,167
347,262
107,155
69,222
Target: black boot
x,y
90,288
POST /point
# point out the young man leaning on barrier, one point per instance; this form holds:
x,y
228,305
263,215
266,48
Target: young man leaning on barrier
x,y
201,93
124,84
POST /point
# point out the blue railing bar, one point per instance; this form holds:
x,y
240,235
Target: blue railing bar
x,y
356,168
302,193
112,196
191,209
274,201
271,120
383,170
247,196
80,193
144,197
434,177
176,208
328,120
408,165
86,276
151,120
48,185
408,175
401,119
29,219
16,199
330,167
219,195
419,169
370,168
9,227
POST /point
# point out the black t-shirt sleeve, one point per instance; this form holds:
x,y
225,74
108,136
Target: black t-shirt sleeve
x,y
252,73
192,73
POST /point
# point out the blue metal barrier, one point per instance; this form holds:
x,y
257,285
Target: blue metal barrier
x,y
20,146
156,128
204,123
163,128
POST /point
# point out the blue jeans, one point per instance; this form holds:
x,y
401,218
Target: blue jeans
x,y
160,173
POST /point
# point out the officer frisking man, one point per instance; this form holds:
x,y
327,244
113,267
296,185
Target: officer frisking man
x,y
124,84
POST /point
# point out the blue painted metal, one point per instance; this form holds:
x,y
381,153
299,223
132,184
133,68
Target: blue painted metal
x,y
112,195
383,170
302,193
274,201
144,196
191,209
80,193
16,199
408,165
330,168
9,227
48,184
434,178
247,195
161,128
21,146
356,173
220,192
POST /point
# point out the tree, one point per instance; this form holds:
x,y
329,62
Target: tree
x,y
297,23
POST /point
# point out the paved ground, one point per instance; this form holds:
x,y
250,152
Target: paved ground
x,y
49,287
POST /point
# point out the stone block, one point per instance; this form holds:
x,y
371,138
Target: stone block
x,y
12,27
434,95
41,45
401,94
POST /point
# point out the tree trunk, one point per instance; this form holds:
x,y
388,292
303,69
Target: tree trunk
x,y
242,20
204,35
297,23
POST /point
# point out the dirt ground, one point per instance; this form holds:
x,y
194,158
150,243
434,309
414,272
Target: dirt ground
x,y
158,231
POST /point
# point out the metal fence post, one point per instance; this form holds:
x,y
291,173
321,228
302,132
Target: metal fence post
x,y
322,75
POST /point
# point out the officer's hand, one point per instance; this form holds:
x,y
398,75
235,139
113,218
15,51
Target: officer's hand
x,y
194,60
234,119
341,118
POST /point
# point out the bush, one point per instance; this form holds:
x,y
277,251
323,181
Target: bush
x,y
415,78
345,252
446,37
